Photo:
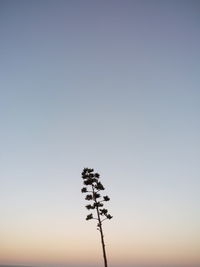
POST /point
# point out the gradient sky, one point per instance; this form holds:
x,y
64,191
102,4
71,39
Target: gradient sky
x,y
113,85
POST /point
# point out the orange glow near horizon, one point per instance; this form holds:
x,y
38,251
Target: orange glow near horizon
x,y
59,242
46,250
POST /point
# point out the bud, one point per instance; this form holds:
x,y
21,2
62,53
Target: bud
x,y
89,207
99,186
89,217
96,195
104,211
84,190
88,197
109,216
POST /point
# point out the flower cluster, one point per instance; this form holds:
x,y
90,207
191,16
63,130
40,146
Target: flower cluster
x,y
92,186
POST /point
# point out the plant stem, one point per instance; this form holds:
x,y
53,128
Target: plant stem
x,y
101,231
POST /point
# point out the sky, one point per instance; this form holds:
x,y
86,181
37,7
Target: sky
x,y
111,85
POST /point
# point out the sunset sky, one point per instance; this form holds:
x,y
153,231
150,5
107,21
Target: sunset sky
x,y
113,85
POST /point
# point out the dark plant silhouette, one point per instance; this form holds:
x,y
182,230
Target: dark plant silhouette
x,y
92,186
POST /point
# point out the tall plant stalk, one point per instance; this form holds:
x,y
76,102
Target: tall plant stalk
x,y
92,187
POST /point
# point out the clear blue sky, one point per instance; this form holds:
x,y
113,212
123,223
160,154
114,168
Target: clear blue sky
x,y
113,85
